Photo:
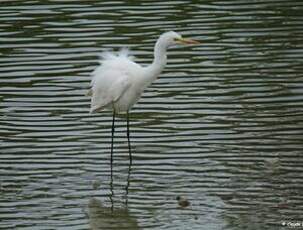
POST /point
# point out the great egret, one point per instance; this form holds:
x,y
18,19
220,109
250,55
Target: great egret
x,y
119,82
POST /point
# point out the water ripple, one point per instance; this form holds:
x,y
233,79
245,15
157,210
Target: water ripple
x,y
222,126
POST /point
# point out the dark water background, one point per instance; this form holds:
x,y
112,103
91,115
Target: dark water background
x,y
222,126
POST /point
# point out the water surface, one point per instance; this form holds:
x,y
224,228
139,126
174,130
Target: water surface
x,y
222,126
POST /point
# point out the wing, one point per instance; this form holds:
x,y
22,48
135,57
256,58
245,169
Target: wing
x,y
107,87
112,78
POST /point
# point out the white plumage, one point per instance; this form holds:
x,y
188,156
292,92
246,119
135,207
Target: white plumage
x,y
114,82
119,82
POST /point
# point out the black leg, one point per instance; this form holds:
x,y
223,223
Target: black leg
x,y
128,183
129,147
111,164
112,144
111,195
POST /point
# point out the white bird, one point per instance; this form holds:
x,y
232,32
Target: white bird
x,y
118,82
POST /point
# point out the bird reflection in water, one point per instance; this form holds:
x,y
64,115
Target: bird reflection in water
x,y
101,217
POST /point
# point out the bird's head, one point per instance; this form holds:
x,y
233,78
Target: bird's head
x,y
172,38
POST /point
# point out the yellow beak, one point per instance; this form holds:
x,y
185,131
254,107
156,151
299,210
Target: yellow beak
x,y
186,41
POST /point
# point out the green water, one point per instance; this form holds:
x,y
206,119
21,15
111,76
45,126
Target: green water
x,y
222,126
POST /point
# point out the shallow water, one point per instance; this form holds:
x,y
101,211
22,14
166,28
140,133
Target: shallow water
x,y
222,126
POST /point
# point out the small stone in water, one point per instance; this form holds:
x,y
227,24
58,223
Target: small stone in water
x,y
183,202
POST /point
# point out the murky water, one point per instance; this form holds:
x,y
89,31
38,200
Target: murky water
x,y
222,126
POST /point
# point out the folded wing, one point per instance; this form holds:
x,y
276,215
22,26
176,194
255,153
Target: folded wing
x,y
107,88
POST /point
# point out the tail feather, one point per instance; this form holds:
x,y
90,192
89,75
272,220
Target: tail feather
x,y
92,110
89,92
96,108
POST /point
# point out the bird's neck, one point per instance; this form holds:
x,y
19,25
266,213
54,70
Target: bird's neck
x,y
159,61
